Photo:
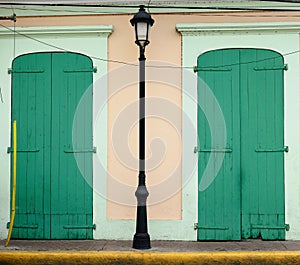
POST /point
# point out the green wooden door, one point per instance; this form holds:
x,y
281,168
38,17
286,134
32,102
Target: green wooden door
x,y
248,88
262,144
54,196
219,202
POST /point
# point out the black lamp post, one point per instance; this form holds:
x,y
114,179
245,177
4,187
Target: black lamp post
x,y
142,22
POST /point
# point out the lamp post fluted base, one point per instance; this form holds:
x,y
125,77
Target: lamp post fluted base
x,y
141,241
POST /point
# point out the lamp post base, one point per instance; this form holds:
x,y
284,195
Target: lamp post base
x,y
141,241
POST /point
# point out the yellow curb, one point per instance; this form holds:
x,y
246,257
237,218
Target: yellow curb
x,y
149,258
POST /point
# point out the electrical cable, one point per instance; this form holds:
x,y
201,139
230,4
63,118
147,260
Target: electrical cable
x,y
148,66
161,6
64,11
284,1
215,14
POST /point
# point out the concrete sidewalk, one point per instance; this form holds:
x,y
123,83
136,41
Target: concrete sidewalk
x,y
157,246
68,252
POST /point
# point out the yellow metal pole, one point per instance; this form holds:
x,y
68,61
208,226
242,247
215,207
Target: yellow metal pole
x,y
13,199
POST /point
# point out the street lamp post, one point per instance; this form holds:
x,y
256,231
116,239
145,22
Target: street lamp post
x,y
142,22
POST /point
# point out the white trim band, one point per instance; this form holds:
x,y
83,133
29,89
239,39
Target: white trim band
x,y
102,29
186,29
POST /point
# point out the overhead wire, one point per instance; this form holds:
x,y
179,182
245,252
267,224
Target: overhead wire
x,y
149,66
63,10
214,14
93,57
133,64
160,6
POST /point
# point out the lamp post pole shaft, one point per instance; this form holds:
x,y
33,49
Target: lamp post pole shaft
x,y
142,122
141,238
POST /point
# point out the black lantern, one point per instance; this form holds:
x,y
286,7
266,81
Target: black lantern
x,y
142,22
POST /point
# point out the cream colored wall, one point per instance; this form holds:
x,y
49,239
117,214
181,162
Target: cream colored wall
x,y
164,159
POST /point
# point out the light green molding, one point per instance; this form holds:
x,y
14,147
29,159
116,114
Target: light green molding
x,y
198,28
101,29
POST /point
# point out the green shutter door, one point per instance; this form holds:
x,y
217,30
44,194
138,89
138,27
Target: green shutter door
x,y
255,131
57,203
262,161
219,204
71,207
31,98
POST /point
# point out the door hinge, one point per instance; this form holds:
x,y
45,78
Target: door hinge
x,y
284,149
94,150
12,71
94,70
216,150
80,226
10,150
211,69
196,227
281,67
26,226
285,227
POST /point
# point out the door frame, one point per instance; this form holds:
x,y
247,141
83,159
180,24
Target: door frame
x,y
90,40
201,37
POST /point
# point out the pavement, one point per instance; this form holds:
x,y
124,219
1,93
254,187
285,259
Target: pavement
x,y
115,252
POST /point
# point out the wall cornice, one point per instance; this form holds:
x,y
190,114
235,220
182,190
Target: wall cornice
x,y
104,30
200,28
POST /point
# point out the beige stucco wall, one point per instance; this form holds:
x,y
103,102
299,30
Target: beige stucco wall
x,y
164,49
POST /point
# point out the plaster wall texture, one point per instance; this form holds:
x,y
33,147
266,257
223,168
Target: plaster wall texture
x,y
171,91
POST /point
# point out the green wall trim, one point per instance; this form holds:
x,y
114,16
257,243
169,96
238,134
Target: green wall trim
x,y
187,29
105,30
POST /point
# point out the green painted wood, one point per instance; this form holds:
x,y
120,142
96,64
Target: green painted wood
x,y
262,128
219,204
30,105
249,187
51,190
72,189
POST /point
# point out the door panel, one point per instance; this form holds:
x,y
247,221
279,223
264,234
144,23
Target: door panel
x,y
262,143
71,189
251,179
54,198
219,204
31,86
